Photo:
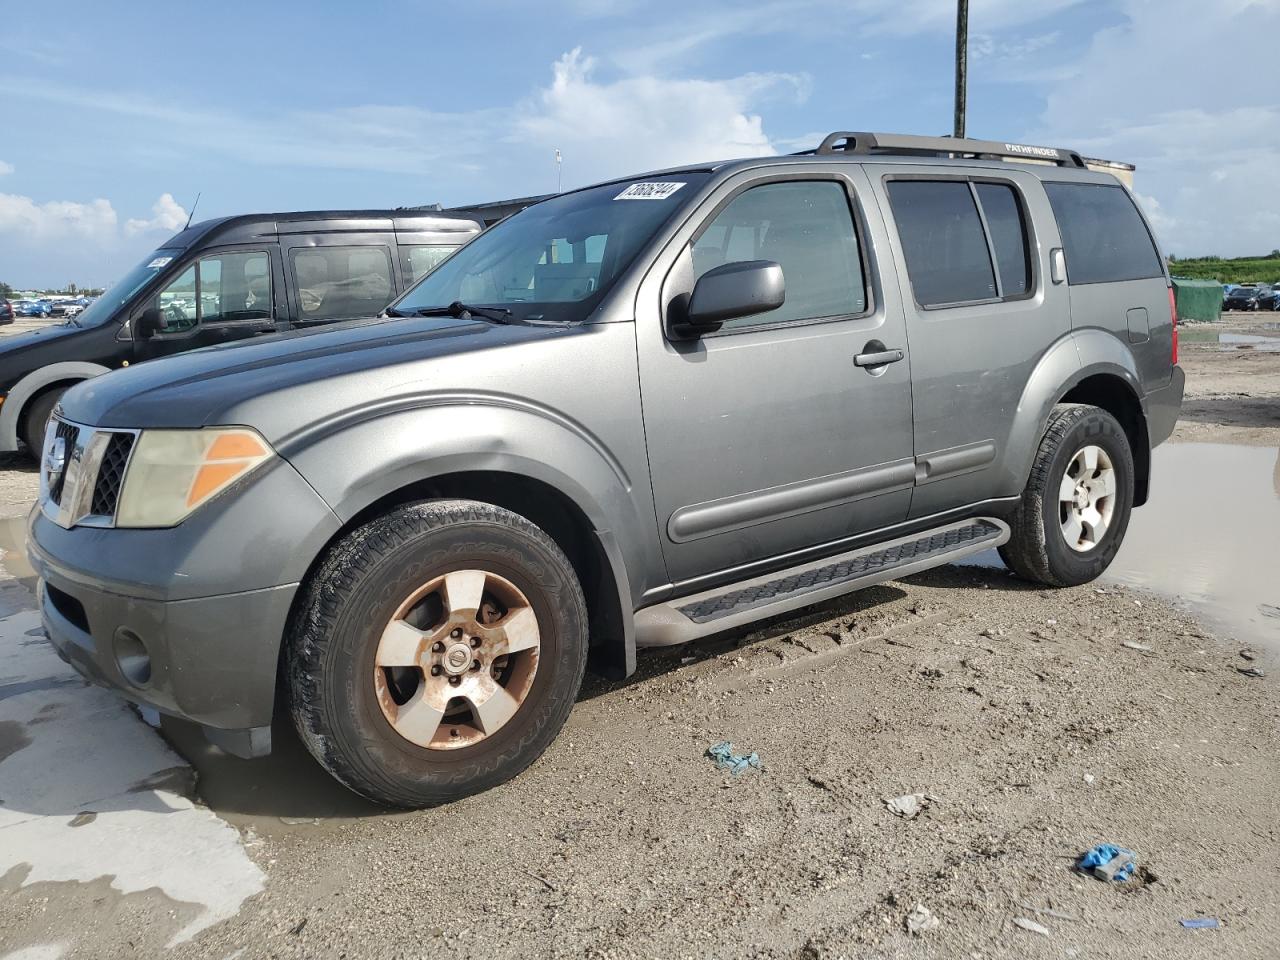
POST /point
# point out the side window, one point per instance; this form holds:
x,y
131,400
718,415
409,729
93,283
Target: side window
x,y
943,241
804,226
1003,213
1104,237
336,283
421,259
177,303
235,287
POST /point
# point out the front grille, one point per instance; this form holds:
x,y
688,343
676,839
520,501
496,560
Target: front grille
x,y
69,433
106,492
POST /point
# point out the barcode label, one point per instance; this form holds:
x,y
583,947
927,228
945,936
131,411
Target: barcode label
x,y
649,191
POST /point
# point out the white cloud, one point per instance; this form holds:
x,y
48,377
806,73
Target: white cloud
x,y
55,220
634,123
1164,90
5,168
167,214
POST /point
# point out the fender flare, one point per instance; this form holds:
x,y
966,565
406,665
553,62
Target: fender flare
x,y
1069,361
35,381
355,463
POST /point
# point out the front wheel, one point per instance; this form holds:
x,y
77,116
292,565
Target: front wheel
x,y
436,652
1075,509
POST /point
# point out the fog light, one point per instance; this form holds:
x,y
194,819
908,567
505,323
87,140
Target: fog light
x,y
132,658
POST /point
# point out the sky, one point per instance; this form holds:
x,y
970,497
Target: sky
x,y
116,115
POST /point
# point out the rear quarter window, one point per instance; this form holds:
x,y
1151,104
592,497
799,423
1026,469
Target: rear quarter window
x,y
1103,234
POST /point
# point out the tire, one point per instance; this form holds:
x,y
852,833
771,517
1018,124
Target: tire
x,y
36,418
357,717
1039,548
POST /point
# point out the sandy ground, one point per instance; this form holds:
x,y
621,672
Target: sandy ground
x,y
1036,723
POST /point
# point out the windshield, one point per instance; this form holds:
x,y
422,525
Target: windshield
x,y
557,259
104,308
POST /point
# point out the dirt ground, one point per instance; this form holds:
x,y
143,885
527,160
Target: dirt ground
x,y
1036,723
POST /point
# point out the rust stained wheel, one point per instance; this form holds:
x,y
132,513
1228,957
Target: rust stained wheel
x,y
457,660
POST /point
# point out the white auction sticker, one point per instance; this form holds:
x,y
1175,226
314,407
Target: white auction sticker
x,y
159,262
649,191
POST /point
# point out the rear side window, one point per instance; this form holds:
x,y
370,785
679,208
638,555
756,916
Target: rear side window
x,y
1102,233
942,238
804,226
1008,237
421,259
336,283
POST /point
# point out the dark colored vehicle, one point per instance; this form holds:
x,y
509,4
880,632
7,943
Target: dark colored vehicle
x,y
635,414
1242,298
1269,297
220,281
6,312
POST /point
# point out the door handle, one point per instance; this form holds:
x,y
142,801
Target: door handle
x,y
877,358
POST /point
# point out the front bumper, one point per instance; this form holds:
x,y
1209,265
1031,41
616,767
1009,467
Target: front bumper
x,y
1164,406
188,620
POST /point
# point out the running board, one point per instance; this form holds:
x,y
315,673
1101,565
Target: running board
x,y
723,608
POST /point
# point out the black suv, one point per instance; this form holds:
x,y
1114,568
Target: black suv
x,y
222,280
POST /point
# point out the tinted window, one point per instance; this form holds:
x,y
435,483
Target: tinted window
x,y
177,302
421,259
807,228
1104,237
336,283
235,287
942,238
1008,236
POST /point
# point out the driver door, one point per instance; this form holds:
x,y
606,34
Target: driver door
x,y
222,297
772,436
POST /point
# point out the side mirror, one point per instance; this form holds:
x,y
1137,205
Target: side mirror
x,y
730,291
149,323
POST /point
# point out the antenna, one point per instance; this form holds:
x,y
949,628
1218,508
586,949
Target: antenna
x,y
193,211
558,160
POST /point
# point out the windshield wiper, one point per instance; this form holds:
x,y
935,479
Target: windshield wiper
x,y
465,311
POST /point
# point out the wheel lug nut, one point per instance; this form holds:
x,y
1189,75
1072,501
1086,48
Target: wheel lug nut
x,y
475,641
437,646
475,664
457,632
435,671
455,680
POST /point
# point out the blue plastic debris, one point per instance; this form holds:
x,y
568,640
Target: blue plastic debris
x,y
1106,861
722,753
1200,923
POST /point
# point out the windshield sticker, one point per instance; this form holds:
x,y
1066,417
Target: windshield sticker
x,y
649,191
159,262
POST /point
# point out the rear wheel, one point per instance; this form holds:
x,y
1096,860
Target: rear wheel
x,y
36,419
1075,509
437,652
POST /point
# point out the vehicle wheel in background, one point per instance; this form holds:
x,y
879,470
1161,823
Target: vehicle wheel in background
x,y
436,652
36,418
1075,509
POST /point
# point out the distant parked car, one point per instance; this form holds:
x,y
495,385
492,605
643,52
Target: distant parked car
x,y
33,308
6,312
1269,297
70,306
1241,298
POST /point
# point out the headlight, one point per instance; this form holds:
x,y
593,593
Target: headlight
x,y
172,472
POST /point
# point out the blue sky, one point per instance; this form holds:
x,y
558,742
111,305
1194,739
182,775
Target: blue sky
x,y
116,115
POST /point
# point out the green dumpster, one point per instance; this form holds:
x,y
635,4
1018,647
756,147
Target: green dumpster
x,y
1197,299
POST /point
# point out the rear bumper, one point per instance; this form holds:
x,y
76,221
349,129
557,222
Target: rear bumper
x,y
1164,406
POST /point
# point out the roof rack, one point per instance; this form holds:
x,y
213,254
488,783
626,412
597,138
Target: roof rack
x,y
844,141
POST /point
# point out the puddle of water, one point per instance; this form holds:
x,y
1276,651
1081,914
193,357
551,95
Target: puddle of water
x,y
1209,537
1235,341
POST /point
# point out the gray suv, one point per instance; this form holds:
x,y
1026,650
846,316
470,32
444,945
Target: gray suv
x,y
632,415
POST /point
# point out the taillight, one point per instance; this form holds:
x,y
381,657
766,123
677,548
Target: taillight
x,y
1173,315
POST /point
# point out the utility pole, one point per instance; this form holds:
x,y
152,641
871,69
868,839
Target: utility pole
x,y
962,63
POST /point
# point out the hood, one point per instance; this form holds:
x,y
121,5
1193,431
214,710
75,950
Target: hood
x,y
21,354
282,383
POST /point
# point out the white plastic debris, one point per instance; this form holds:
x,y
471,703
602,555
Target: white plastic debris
x,y
1031,926
906,806
921,920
